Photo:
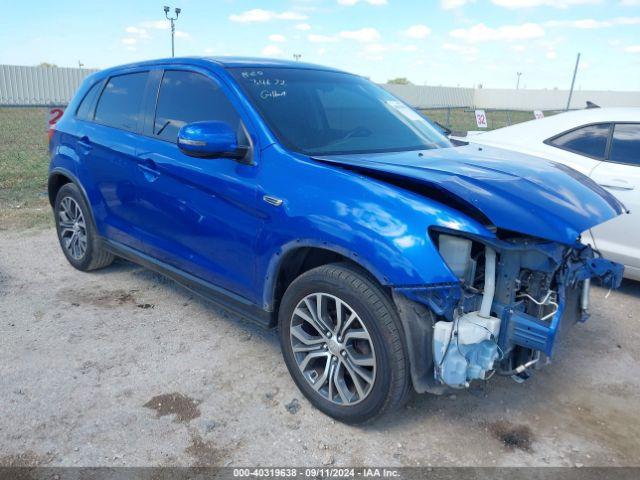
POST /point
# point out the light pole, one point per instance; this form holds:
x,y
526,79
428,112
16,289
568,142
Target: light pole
x,y
297,56
573,81
518,82
173,26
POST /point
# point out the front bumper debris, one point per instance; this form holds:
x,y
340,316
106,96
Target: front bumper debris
x,y
539,290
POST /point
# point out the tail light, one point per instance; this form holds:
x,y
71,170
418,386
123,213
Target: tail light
x,y
50,133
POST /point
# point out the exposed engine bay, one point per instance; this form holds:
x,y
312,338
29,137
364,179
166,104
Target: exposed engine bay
x,y
514,297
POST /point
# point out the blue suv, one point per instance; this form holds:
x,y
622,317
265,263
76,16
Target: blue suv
x,y
310,199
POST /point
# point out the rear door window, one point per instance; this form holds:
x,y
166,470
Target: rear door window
x,y
187,97
625,143
590,140
120,102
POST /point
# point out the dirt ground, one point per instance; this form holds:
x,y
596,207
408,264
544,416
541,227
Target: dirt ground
x,y
123,367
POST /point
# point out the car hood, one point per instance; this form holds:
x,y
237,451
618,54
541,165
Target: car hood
x,y
516,192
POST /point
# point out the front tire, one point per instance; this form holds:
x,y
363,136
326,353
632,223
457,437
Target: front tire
x,y
77,234
342,342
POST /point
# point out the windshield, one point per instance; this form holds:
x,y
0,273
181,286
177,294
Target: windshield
x,y
322,113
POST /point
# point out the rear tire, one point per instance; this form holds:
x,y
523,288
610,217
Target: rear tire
x,y
358,371
77,234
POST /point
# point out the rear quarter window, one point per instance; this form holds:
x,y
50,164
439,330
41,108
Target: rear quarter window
x,y
85,109
625,143
120,102
590,140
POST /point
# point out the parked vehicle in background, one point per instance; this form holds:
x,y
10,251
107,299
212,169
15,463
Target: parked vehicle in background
x,y
310,198
603,143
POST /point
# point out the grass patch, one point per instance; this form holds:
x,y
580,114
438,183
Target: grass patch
x,y
24,160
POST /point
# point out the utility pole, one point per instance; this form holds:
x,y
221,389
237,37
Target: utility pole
x,y
173,26
518,82
573,81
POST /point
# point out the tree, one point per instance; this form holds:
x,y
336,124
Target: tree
x,y
399,81
47,65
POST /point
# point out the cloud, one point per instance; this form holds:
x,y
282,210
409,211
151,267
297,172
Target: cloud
x,y
276,37
632,49
629,3
551,55
260,15
351,3
366,35
209,50
626,21
134,36
303,26
590,23
139,32
181,34
515,4
450,4
482,33
272,51
417,32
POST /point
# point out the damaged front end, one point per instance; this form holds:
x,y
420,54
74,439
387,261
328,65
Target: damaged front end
x,y
514,296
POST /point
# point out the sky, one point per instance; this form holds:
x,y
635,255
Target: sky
x,y
431,42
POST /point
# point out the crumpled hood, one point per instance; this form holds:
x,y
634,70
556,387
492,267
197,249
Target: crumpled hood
x,y
515,192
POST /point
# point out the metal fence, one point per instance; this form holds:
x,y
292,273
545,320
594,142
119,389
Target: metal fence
x,y
432,97
508,99
38,86
31,86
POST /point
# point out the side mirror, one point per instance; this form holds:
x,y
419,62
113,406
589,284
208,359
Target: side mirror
x,y
210,139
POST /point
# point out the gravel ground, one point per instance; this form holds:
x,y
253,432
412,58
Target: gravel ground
x,y
123,367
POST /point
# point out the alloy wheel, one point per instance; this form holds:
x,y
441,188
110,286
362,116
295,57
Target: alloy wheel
x,y
333,349
73,228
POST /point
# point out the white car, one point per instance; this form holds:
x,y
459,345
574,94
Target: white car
x,y
603,143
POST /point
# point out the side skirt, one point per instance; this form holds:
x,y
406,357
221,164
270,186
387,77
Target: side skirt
x,y
221,297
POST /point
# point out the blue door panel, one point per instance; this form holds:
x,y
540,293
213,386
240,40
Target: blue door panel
x,y
199,215
109,166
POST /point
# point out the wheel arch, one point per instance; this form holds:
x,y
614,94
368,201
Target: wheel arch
x,y
54,184
59,177
299,257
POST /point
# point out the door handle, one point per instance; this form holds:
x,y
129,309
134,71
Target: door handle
x,y
148,164
617,185
149,168
84,145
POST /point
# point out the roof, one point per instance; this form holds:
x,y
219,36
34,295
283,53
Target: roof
x,y
540,130
226,62
265,62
